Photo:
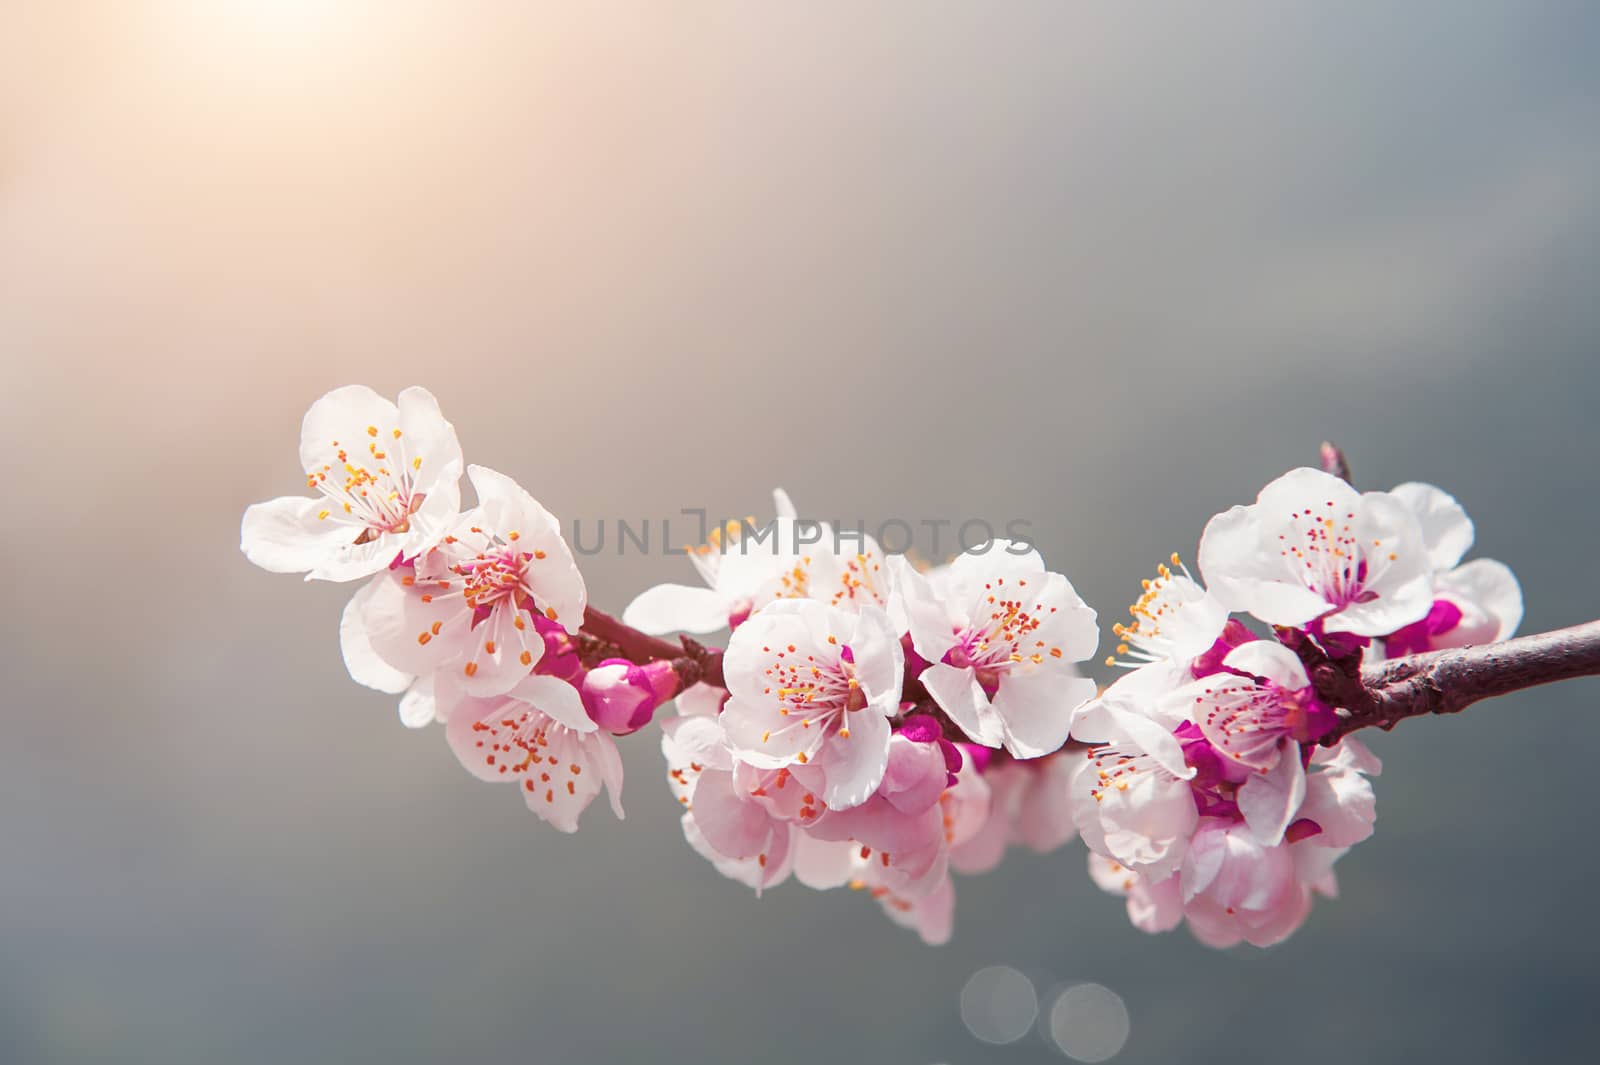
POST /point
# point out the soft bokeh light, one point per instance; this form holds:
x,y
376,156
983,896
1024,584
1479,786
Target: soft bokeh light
x,y
999,1004
1089,1023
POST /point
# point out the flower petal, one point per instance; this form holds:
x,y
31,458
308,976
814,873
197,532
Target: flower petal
x,y
1036,709
1447,532
959,695
1269,659
676,608
291,535
360,659
855,764
1270,800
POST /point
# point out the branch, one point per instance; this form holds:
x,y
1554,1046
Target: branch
x,y
693,660
1446,682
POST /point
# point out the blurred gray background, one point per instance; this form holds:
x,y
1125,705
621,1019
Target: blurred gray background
x,y
1108,270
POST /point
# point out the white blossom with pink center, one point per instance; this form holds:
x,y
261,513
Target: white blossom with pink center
x,y
475,605
814,685
386,482
1003,640
539,737
1311,548
1131,793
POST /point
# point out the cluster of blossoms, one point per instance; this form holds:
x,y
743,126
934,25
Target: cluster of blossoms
x,y
1210,794
879,725
875,721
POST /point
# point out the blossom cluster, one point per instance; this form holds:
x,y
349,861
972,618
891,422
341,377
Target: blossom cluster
x,y
879,724
469,615
1210,794
875,721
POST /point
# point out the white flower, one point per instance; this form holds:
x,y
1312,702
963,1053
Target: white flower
x,y
743,571
811,684
1175,621
1312,548
1003,642
1475,602
475,604
386,478
538,737
1131,796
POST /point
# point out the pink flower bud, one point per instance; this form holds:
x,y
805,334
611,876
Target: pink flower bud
x,y
621,696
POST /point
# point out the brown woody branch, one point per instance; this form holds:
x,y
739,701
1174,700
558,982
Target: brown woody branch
x,y
693,660
1446,682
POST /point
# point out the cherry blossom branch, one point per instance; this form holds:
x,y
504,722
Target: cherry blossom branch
x,y
1445,682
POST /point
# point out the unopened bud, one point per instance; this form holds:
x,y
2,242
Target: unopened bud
x,y
622,696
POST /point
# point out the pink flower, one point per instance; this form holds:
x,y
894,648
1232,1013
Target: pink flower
x,y
1003,639
1235,888
538,737
468,606
722,820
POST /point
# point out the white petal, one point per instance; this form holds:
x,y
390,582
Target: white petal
x,y
555,698
1343,804
1348,753
879,658
287,535
1492,589
427,436
1245,575
1446,530
395,617
1270,800
701,700
343,415
926,615
1036,709
418,708
359,658
958,694
676,608
781,505
1269,659
855,765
